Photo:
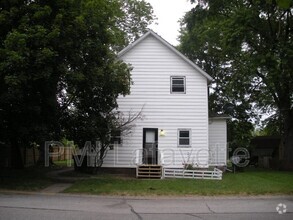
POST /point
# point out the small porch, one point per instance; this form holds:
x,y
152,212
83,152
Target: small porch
x,y
149,171
152,165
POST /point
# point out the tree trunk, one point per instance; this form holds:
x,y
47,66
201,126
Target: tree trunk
x,y
34,155
16,158
287,138
41,159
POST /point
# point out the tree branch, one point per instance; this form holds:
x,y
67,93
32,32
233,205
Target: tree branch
x,y
263,77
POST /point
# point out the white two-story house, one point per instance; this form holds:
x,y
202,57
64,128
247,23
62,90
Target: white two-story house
x,y
171,92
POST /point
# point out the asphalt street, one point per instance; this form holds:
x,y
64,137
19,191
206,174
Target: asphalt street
x,y
36,206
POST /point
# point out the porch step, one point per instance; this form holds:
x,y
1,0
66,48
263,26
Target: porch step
x,y
149,171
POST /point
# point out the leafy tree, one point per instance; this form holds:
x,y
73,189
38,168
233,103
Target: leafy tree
x,y
136,16
247,47
58,62
30,70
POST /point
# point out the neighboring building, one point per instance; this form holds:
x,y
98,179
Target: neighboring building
x,y
218,140
172,94
263,149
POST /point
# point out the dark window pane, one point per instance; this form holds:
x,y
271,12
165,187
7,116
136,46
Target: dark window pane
x,y
178,81
115,137
116,133
184,134
178,89
183,141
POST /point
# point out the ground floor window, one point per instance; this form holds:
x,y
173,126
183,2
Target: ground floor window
x,y
115,139
184,137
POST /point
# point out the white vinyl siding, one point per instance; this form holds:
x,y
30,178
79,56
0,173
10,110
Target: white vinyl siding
x,y
218,142
153,65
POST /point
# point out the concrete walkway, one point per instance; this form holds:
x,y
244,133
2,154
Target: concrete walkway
x,y
56,188
62,181
57,176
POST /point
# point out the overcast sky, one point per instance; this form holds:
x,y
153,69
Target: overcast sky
x,y
168,13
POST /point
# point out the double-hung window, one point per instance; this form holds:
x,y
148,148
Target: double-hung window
x,y
115,138
178,84
184,137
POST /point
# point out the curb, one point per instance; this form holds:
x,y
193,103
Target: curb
x,y
191,198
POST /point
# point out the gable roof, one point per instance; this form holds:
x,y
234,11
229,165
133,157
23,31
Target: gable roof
x,y
164,42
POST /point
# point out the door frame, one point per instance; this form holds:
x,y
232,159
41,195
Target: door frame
x,y
156,130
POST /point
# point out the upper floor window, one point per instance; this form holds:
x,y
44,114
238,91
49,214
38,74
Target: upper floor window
x,y
178,84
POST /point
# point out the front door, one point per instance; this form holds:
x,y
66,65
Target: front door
x,y
150,146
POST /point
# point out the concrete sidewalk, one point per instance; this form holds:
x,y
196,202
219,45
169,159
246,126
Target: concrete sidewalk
x,y
56,188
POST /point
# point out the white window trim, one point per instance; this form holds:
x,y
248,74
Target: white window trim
x,y
184,84
178,137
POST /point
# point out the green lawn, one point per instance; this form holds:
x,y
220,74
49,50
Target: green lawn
x,y
28,179
244,183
